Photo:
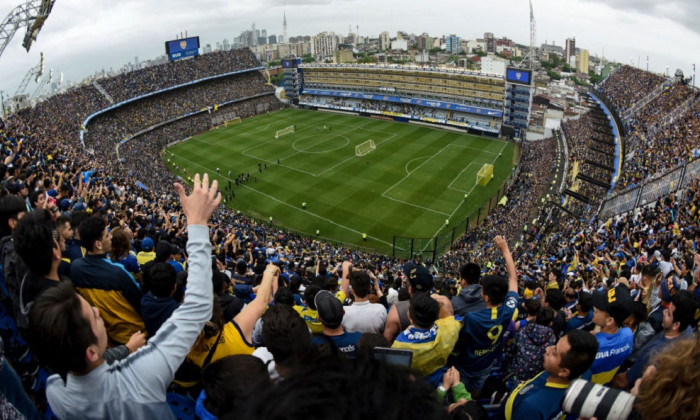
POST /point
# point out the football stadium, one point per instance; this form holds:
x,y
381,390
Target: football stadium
x,y
390,227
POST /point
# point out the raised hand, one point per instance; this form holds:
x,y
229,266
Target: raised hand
x,y
200,205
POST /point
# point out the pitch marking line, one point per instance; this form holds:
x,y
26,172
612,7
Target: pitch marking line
x,y
314,174
244,153
413,160
470,191
352,157
460,174
285,203
239,134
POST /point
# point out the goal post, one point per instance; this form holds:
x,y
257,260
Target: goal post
x,y
284,131
365,147
236,120
485,175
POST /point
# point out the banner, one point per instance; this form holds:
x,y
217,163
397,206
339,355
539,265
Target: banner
x,y
408,101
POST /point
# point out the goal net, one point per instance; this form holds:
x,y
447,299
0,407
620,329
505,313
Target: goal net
x,y
485,175
364,148
284,131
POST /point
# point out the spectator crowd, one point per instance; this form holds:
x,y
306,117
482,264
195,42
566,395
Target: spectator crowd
x,y
132,302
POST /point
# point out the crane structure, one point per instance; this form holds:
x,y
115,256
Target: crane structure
x,y
31,14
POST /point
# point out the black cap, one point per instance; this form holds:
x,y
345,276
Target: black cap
x,y
419,276
330,310
616,302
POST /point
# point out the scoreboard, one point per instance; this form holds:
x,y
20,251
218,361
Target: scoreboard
x,y
182,48
519,76
291,63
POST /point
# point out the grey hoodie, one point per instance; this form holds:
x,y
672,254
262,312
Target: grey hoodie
x,y
468,300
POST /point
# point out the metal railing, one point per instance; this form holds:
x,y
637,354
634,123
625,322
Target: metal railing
x,y
670,182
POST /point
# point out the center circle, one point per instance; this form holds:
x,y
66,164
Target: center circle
x,y
324,146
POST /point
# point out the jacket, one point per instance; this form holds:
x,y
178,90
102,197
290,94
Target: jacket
x,y
468,300
526,355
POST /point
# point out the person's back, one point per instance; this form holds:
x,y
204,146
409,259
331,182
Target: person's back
x,y
158,304
12,209
147,253
469,298
529,346
482,332
430,338
480,339
363,316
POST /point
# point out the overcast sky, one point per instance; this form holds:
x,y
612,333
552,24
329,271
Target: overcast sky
x,y
84,36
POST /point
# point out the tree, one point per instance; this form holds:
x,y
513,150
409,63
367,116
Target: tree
x,y
553,75
277,80
578,82
595,78
481,53
307,59
435,50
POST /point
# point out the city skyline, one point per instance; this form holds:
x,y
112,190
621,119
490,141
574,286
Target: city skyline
x,y
80,39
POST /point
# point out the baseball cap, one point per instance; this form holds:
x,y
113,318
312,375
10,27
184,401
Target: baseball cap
x,y
616,302
419,276
147,244
330,310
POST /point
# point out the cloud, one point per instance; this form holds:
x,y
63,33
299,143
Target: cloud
x,y
82,37
685,12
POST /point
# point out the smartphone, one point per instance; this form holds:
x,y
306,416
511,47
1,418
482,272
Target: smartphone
x,y
396,357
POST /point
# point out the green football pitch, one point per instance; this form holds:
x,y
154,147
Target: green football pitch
x,y
410,185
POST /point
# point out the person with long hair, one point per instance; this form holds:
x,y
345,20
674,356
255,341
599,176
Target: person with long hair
x,y
121,254
670,386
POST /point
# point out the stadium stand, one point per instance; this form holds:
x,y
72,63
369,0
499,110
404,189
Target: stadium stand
x,y
560,253
439,96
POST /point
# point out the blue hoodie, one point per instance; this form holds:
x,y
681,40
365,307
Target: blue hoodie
x,y
155,311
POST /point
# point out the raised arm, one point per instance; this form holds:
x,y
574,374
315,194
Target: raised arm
x,y
501,243
247,318
345,283
167,349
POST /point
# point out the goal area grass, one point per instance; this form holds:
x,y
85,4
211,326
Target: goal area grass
x,y
414,179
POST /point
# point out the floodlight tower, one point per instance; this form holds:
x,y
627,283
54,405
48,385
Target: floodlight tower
x,y
532,36
42,83
531,56
32,14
